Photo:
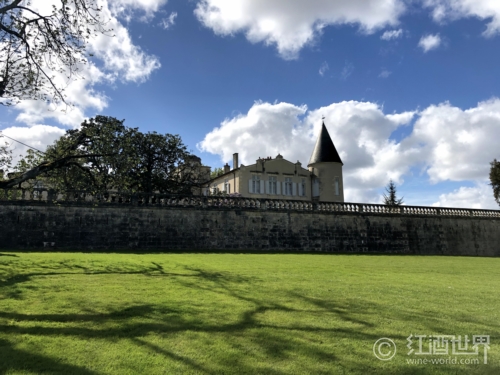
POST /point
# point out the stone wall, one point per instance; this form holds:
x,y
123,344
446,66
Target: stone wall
x,y
72,226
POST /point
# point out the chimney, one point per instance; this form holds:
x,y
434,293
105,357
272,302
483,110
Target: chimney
x,y
235,160
227,168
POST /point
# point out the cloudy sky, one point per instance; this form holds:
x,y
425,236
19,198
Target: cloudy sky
x,y
409,89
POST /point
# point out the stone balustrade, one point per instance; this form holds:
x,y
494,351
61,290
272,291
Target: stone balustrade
x,y
166,200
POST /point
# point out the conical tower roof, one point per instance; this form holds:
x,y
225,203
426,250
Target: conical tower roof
x,y
325,150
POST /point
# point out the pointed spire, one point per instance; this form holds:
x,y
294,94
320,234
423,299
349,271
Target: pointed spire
x,y
325,150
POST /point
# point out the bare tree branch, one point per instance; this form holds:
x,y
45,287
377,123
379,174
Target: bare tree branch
x,y
43,168
13,5
34,46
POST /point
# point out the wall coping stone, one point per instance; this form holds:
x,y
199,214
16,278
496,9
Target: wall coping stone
x,y
47,197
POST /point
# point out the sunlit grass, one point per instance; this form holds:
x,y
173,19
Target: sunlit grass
x,y
77,313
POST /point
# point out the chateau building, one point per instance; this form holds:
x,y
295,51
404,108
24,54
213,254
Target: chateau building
x,y
279,178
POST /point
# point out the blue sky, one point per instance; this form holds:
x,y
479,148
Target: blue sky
x,y
409,89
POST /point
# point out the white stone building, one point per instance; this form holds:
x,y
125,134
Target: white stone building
x,y
278,178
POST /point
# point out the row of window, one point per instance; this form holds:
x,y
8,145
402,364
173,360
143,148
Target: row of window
x,y
226,189
274,187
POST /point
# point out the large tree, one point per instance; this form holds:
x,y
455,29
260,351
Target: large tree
x,y
37,40
495,179
391,199
159,162
84,159
106,155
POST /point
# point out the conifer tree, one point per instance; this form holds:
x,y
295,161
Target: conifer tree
x,y
391,199
495,179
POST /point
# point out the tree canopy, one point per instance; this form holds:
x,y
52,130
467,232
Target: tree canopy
x,y
5,157
495,179
106,155
36,43
390,198
216,172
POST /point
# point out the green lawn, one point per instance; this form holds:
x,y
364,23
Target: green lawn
x,y
78,313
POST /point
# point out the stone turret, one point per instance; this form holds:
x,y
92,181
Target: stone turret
x,y
326,166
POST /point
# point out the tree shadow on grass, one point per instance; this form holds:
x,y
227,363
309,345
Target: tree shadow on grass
x,y
276,341
9,255
276,346
55,270
126,313
13,359
169,354
174,321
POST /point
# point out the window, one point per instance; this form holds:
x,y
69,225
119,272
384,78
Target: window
x,y
272,185
214,189
256,184
336,185
227,186
288,186
316,183
302,187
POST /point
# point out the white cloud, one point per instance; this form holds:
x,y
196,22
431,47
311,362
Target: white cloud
x,y
384,73
115,48
456,144
447,143
149,6
392,34
292,24
168,22
37,136
489,10
480,196
126,8
266,130
121,57
323,68
429,42
115,58
347,70
80,92
359,130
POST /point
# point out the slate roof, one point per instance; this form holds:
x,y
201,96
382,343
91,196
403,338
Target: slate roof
x,y
325,150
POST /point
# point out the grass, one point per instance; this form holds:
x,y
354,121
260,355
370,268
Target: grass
x,y
77,313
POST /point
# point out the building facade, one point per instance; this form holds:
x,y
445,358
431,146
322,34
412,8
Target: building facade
x,y
278,178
